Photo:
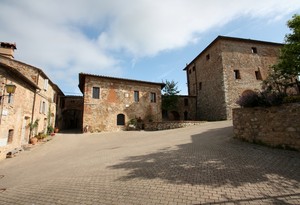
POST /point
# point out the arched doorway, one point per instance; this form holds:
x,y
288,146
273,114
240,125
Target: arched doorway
x,y
174,116
120,119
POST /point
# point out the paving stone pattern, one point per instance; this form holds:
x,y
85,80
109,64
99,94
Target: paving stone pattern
x,y
201,164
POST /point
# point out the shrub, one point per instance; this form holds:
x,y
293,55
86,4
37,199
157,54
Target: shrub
x,y
249,98
291,99
268,98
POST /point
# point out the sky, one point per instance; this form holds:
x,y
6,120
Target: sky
x,y
148,40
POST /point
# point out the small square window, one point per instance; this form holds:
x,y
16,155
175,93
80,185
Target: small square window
x,y
153,97
254,50
237,74
190,71
200,85
193,67
207,57
96,92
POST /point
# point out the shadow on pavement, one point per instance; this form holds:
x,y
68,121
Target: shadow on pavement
x,y
213,158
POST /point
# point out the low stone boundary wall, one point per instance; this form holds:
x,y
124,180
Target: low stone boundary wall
x,y
277,126
153,126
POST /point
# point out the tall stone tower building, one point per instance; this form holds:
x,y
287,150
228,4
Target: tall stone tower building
x,y
224,70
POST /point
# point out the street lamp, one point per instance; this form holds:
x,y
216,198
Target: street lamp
x,y
10,88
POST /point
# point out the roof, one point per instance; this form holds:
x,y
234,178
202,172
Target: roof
x,y
38,69
19,75
231,39
83,75
8,45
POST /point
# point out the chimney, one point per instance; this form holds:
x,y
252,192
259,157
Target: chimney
x,y
7,49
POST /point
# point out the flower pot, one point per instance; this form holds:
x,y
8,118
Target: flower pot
x,y
33,140
56,130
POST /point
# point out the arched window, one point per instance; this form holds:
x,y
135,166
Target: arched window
x,y
120,119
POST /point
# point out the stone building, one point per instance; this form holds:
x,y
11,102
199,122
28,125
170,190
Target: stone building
x,y
35,99
224,70
185,109
110,103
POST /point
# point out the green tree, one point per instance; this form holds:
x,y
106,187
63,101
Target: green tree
x,y
170,96
288,68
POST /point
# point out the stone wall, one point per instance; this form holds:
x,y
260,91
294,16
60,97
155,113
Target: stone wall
x,y
153,126
274,126
206,82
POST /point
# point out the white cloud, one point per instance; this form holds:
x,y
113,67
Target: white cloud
x,y
67,37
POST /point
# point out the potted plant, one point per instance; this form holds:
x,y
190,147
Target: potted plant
x,y
50,130
33,129
56,130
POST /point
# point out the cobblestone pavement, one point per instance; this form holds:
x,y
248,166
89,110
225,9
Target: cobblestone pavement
x,y
196,165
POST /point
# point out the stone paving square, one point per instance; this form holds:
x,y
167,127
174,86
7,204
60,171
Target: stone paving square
x,y
200,164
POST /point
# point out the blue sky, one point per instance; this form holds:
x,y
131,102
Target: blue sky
x,y
135,39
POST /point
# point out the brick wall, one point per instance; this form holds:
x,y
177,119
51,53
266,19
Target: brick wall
x,y
274,126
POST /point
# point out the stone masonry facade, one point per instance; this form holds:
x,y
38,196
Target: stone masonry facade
x,y
110,103
224,70
36,98
14,116
274,126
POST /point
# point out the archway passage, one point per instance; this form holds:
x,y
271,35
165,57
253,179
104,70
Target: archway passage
x,y
174,116
72,119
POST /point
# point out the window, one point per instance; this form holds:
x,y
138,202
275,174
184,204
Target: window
x,y
46,84
258,75
136,96
153,97
10,136
186,102
193,67
207,57
54,98
190,71
96,92
254,50
120,119
200,85
237,74
43,108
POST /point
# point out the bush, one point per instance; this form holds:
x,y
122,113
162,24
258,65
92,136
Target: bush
x,y
268,98
249,98
291,99
264,99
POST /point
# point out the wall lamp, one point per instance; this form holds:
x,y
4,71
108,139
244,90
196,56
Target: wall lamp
x,y
10,88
